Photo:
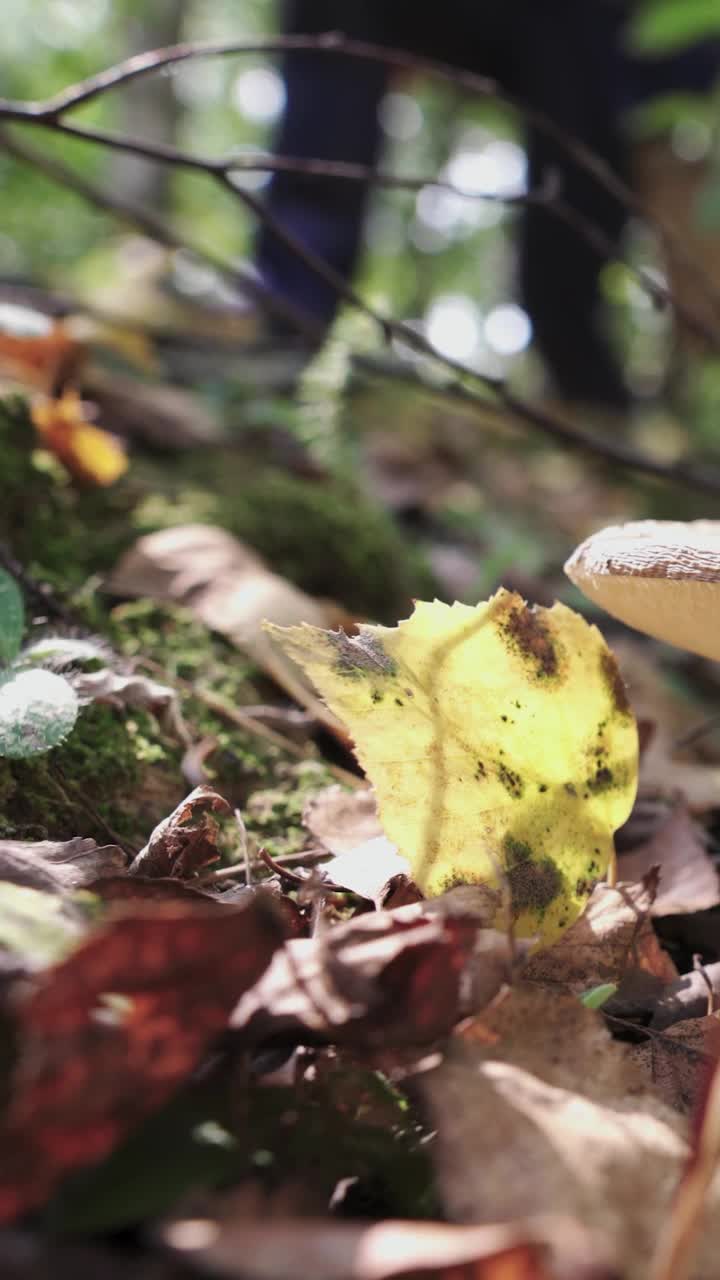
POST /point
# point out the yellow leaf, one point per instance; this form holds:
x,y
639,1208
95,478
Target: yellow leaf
x,y
89,453
499,741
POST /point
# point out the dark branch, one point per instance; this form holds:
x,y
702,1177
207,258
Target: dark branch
x,y
48,115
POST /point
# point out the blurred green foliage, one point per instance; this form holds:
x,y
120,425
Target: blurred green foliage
x,y
431,257
663,25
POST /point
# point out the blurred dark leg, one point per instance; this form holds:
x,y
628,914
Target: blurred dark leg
x,y
331,114
571,75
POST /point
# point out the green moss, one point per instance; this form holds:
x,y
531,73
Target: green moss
x,y
59,533
121,772
273,815
324,535
94,784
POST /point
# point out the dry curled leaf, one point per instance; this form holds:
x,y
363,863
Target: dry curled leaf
x,y
386,978
106,1035
186,841
58,866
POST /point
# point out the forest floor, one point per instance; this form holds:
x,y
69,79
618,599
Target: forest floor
x,y
238,1039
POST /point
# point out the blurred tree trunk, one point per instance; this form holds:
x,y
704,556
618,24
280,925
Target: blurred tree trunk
x,y
150,108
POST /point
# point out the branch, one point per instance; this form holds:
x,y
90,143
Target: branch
x,y
547,195
335,43
142,219
686,474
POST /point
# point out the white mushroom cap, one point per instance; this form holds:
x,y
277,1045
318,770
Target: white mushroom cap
x,y
659,576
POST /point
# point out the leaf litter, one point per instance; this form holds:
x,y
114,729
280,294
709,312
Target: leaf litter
x,y
548,1139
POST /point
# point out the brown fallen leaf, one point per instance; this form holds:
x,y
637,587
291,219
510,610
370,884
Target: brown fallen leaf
x,y
186,841
105,1036
613,934
385,978
136,891
58,866
340,819
164,416
232,590
676,1062
675,1254
325,1249
547,1114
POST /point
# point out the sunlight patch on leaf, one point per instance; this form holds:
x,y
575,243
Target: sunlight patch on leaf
x,y
500,744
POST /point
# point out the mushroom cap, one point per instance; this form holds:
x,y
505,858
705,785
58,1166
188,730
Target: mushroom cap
x,y
659,576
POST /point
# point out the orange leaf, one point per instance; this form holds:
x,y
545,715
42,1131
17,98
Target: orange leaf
x,y
35,349
89,453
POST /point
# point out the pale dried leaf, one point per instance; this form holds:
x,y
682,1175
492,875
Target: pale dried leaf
x,y
688,879
614,934
368,869
231,590
545,1113
340,819
123,690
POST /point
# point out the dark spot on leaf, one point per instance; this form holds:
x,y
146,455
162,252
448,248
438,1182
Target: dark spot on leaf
x,y
615,683
480,770
504,719
570,788
531,636
511,781
584,888
377,696
542,786
533,885
602,780
399,702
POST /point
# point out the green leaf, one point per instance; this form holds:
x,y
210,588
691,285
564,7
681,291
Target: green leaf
x,y
37,711
12,618
596,997
663,25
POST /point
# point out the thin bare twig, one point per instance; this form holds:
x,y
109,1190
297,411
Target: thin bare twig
x,y
49,114
334,43
143,220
